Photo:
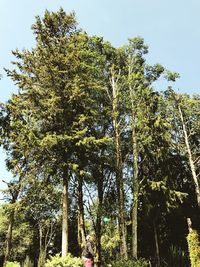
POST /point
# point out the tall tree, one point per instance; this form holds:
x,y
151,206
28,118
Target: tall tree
x,y
139,82
49,118
186,108
117,116
13,192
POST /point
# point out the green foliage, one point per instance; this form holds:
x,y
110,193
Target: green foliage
x,y
62,117
172,76
110,243
27,262
21,234
172,196
130,263
194,248
12,264
22,238
67,261
177,257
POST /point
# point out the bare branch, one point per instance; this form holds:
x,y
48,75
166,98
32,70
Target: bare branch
x,y
91,198
197,160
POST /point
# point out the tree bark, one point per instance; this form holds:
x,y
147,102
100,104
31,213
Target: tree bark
x,y
45,237
135,190
42,256
156,244
135,180
14,192
65,215
119,167
191,161
120,192
9,237
81,225
99,217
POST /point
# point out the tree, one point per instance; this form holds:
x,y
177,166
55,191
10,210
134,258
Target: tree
x,y
190,126
13,191
40,203
87,121
185,118
48,121
141,101
21,234
11,194
115,95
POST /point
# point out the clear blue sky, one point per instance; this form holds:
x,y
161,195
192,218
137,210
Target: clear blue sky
x,y
170,28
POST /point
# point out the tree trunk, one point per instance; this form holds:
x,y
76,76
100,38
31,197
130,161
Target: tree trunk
x,y
191,161
42,254
135,182
120,192
45,237
135,190
40,259
14,192
119,168
99,218
81,225
156,244
9,237
65,215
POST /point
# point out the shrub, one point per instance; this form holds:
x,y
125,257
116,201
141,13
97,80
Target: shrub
x,y
27,262
110,244
67,261
130,263
194,248
177,256
12,264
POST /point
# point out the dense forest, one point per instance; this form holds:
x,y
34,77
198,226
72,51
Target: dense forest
x,y
94,148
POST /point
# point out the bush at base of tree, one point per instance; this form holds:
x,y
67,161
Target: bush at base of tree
x,y
177,256
130,263
68,261
27,262
12,264
194,248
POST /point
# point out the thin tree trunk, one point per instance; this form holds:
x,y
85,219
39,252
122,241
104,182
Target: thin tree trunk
x,y
14,192
45,237
191,161
156,244
120,192
40,237
119,168
65,215
135,154
41,258
81,225
99,218
135,189
9,237
135,181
